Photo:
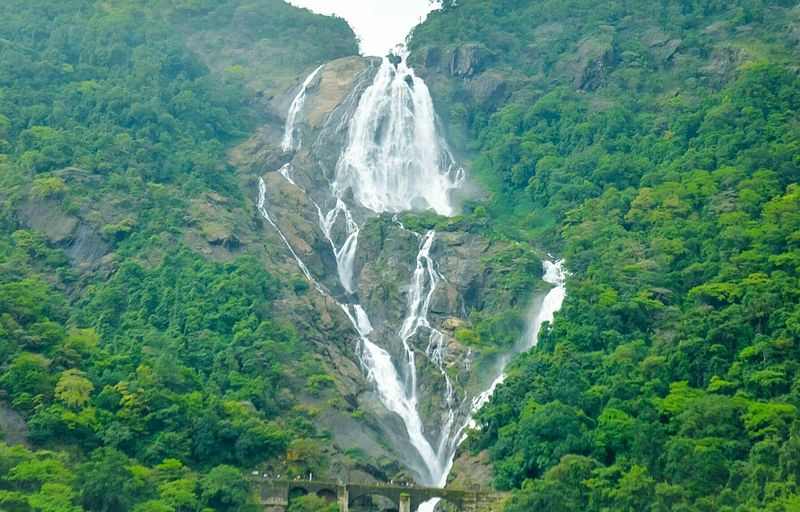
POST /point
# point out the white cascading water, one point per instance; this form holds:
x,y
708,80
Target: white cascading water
x,y
423,167
376,361
396,161
292,141
346,253
554,274
286,172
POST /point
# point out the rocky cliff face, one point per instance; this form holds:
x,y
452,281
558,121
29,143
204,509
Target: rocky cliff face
x,y
297,192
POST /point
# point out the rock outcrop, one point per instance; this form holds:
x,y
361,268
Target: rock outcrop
x,y
592,61
469,60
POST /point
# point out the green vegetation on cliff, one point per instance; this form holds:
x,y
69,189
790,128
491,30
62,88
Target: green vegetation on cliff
x,y
655,147
149,375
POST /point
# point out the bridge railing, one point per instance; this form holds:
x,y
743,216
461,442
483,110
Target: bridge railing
x,y
382,485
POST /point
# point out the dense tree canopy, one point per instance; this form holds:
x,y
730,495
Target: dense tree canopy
x,y
670,378
150,380
653,145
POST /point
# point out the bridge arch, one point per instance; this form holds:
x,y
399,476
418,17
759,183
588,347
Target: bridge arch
x,y
327,494
361,496
373,502
298,489
297,492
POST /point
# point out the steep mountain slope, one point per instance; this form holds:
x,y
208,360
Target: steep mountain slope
x,y
655,147
176,308
147,351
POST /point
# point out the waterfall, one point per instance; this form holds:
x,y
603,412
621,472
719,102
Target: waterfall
x,y
423,285
289,143
345,254
286,172
376,361
554,274
417,172
395,160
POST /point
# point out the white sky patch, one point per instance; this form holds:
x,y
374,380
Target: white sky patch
x,y
379,24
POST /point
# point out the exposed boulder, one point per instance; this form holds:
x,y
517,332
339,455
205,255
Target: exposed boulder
x,y
489,90
47,217
468,60
592,61
334,83
661,46
219,227
724,60
453,324
80,240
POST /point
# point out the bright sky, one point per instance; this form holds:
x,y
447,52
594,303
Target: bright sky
x,y
379,24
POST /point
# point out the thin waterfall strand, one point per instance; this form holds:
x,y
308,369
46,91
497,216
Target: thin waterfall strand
x,y
292,141
346,254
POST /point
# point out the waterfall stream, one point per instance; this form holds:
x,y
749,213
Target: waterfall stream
x,y
555,275
290,142
395,161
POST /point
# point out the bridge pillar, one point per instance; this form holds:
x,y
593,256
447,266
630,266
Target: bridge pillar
x,y
405,502
275,497
470,503
344,498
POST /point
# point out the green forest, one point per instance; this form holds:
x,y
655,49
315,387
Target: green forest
x,y
654,145
669,381
153,380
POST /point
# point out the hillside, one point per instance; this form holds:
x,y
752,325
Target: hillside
x,y
187,299
654,147
145,355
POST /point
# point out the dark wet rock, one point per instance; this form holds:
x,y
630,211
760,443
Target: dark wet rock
x,y
592,62
430,58
489,90
469,59
82,241
86,248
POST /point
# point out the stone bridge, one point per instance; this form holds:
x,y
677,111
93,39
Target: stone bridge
x,y
275,495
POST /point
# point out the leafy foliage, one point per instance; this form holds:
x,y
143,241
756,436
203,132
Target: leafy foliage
x,y
149,376
670,379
